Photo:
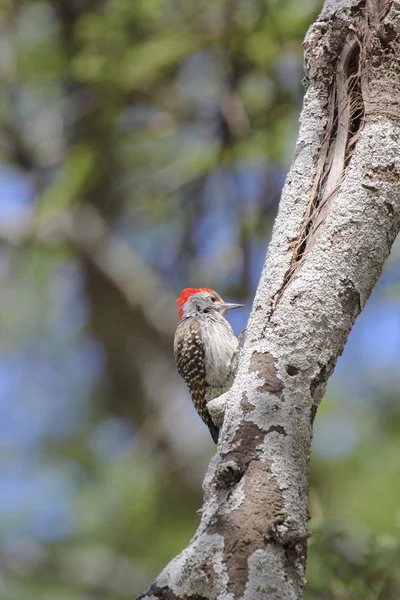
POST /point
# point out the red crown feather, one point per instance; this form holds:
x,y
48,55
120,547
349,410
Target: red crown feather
x,y
185,295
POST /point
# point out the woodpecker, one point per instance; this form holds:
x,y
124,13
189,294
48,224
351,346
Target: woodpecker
x,y
205,348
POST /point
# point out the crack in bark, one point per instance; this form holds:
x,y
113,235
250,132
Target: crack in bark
x,y
346,115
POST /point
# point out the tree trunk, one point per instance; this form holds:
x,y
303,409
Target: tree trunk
x,y
338,217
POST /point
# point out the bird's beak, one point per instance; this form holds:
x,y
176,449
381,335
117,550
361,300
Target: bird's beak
x,y
225,306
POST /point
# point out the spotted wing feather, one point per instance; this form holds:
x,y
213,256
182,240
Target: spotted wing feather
x,y
190,361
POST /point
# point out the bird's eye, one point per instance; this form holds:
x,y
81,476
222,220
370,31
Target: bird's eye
x,y
213,299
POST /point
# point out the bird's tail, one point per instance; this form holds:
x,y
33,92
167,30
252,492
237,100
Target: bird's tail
x,y
214,430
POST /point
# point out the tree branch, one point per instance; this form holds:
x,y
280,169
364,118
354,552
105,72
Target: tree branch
x,y
338,217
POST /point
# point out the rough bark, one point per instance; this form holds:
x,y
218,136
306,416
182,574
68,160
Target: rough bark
x,y
338,217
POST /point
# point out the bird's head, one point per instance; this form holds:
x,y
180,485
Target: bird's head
x,y
195,301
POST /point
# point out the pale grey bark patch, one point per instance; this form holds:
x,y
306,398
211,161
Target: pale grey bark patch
x,y
338,217
187,574
266,561
217,408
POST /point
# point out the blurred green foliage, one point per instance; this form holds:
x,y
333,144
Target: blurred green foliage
x,y
143,147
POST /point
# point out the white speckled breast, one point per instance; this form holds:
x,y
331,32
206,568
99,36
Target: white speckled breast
x,y
221,348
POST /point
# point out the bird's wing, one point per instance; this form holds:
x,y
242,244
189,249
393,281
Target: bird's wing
x,y
190,361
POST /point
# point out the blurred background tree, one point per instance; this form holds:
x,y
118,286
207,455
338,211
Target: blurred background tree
x,y
143,147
